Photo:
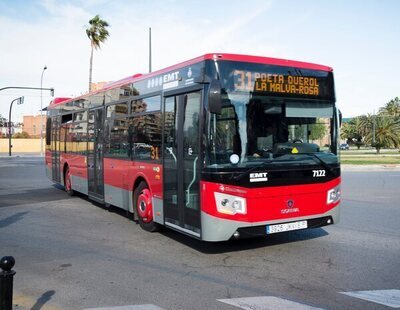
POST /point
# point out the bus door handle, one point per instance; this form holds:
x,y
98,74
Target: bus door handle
x,y
169,149
191,183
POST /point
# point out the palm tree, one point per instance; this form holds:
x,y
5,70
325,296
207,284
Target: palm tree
x,y
365,124
97,34
392,108
356,129
387,133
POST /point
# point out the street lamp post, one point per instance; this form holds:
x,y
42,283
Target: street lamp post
x,y
41,112
19,100
373,128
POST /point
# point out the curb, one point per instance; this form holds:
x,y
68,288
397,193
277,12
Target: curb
x,y
383,167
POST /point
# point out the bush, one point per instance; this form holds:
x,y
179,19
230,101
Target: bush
x,y
21,135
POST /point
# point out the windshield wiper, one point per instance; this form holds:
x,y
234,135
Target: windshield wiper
x,y
320,161
239,176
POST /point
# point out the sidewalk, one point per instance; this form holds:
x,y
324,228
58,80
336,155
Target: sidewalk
x,y
382,167
14,155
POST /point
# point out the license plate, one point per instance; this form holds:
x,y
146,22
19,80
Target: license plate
x,y
272,229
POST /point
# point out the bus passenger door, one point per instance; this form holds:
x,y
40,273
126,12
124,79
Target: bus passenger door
x,y
95,154
181,162
55,148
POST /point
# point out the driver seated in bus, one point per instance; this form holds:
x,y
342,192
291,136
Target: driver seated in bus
x,y
265,143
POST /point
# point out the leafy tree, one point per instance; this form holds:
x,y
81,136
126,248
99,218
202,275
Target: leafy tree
x,y
347,132
387,133
385,126
391,109
357,129
97,33
318,131
2,121
365,124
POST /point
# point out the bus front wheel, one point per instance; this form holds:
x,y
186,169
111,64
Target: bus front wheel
x,y
68,183
144,207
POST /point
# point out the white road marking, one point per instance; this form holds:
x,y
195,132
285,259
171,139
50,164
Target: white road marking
x,y
266,303
390,298
130,307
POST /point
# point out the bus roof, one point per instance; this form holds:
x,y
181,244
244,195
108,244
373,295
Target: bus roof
x,y
210,56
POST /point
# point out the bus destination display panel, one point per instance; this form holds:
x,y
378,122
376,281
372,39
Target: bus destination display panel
x,y
277,81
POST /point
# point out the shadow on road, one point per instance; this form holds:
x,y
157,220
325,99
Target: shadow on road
x,y
225,246
42,300
244,244
32,196
217,247
12,219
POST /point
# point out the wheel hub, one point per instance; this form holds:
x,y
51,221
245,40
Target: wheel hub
x,y
144,206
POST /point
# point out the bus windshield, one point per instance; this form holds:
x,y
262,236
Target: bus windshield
x,y
249,131
272,115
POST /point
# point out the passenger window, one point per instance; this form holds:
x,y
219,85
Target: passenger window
x,y
117,110
143,105
145,133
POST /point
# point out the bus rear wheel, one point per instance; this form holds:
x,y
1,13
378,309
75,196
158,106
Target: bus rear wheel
x,y
68,183
144,207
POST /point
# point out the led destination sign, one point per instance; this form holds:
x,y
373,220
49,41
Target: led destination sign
x,y
276,83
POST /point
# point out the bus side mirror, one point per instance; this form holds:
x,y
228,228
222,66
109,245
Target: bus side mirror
x,y
214,97
340,118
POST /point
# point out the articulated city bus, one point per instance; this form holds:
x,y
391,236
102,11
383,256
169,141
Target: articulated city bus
x,y
218,147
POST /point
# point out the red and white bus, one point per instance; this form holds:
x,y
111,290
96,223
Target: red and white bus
x,y
218,147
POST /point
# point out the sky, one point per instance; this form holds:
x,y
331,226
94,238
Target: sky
x,y
359,39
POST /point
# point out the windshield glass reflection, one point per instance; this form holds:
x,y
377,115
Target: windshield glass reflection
x,y
263,129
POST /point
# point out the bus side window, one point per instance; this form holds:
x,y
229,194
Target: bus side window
x,y
118,145
149,104
117,110
48,131
146,136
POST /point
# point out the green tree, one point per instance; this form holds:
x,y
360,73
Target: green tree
x,y
318,131
357,129
348,132
97,33
391,109
386,133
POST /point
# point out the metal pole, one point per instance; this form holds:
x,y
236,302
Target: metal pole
x,y
6,282
23,87
41,112
9,129
149,49
373,128
20,101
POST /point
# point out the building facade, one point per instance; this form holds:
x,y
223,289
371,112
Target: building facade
x,y
31,125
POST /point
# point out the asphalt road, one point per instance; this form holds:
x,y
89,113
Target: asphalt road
x,y
72,253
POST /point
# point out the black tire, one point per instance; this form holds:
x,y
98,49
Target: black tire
x,y
143,210
68,183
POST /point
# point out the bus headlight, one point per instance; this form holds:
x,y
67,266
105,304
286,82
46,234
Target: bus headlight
x,y
229,204
333,195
